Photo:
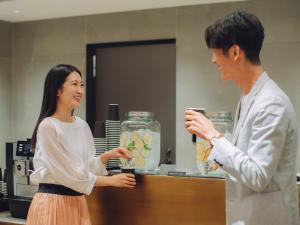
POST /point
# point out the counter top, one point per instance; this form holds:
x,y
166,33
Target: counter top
x,y
6,219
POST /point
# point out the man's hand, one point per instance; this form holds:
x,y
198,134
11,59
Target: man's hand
x,y
196,123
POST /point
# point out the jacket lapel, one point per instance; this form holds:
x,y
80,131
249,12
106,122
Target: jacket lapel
x,y
236,119
239,121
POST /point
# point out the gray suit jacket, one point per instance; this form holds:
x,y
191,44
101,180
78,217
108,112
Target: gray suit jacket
x,y
261,159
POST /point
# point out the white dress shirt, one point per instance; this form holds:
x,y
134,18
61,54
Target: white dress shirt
x,y
65,155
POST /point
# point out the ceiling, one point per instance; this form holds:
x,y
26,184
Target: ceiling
x,y
28,10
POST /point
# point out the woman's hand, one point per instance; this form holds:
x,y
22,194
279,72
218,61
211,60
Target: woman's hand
x,y
120,180
115,153
123,180
120,153
198,124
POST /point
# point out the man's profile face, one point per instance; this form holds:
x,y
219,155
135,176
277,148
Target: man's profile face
x,y
225,63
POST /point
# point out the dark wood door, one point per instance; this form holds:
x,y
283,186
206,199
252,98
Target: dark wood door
x,y
139,76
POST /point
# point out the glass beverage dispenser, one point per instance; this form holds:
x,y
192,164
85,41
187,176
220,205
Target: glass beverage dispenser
x,y
223,122
140,134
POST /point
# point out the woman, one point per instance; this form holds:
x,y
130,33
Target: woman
x,y
64,162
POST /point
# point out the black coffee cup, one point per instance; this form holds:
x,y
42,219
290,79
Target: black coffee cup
x,y
113,112
200,110
128,170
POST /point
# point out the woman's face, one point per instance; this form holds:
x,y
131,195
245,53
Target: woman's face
x,y
72,91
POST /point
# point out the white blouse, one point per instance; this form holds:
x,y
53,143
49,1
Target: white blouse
x,y
65,155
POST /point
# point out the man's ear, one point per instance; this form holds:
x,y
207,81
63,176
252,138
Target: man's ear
x,y
235,51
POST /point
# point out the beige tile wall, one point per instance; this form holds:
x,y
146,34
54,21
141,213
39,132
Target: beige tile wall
x,y
5,86
41,44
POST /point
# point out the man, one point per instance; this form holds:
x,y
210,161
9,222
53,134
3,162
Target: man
x,y
261,158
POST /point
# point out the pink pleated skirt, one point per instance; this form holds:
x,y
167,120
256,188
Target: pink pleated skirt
x,y
53,209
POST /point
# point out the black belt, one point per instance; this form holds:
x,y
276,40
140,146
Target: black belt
x,y
57,189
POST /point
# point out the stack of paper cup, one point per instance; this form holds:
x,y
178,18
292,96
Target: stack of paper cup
x,y
113,127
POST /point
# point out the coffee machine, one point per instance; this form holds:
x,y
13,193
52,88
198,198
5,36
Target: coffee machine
x,y
19,166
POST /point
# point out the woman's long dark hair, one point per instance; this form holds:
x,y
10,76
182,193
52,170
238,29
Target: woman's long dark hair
x,y
53,82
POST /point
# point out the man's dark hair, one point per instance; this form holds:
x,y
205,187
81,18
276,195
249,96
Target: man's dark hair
x,y
240,28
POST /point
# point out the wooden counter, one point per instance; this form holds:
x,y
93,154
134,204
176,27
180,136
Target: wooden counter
x,y
161,200
157,200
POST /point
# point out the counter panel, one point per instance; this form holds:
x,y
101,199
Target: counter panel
x,y
160,200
